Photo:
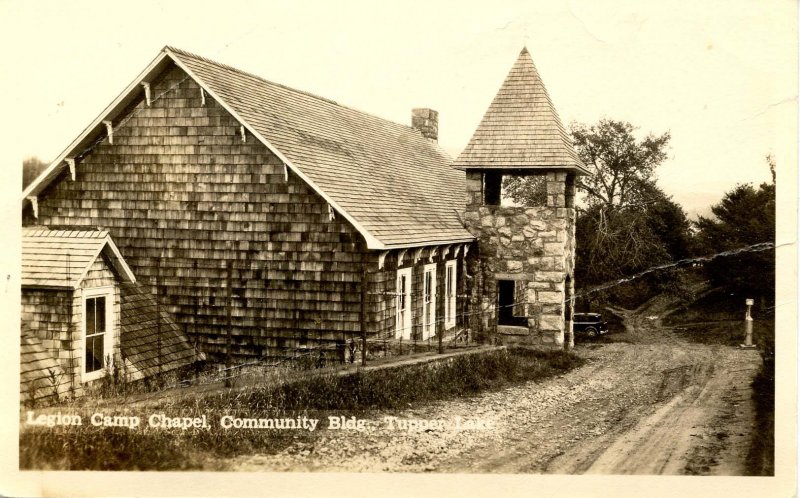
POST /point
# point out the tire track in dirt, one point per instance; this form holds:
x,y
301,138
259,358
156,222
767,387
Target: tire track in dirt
x,y
649,403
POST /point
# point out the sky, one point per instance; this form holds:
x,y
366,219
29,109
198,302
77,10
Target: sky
x,y
721,77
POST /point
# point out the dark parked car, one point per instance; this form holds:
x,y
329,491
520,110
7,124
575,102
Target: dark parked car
x,y
589,324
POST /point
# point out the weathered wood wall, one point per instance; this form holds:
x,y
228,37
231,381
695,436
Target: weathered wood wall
x,y
48,315
53,319
183,196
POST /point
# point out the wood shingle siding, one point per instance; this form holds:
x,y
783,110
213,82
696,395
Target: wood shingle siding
x,y
40,372
192,198
360,164
48,316
53,319
396,183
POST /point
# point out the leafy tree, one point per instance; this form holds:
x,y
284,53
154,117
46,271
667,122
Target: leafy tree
x,y
744,217
623,167
627,224
31,168
528,190
668,221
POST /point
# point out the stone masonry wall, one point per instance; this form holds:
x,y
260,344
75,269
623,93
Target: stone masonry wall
x,y
534,247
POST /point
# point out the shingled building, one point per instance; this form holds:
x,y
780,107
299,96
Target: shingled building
x,y
264,218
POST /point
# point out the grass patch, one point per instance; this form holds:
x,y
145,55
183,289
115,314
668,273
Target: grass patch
x,y
87,447
761,456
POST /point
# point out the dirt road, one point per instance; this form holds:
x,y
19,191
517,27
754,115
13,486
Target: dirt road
x,y
646,402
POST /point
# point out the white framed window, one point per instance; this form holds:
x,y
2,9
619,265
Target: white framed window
x,y
429,301
98,331
403,304
450,289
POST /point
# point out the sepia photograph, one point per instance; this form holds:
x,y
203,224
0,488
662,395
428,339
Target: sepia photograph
x,y
528,243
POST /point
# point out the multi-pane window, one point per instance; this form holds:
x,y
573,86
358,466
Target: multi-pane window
x,y
97,337
402,304
429,303
95,333
450,295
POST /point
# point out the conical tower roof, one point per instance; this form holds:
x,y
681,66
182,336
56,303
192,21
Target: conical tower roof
x,y
521,129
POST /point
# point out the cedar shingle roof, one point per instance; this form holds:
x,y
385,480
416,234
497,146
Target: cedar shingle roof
x,y
60,258
394,182
395,186
521,128
140,334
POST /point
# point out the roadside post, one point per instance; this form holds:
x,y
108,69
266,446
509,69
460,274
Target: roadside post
x,y
748,327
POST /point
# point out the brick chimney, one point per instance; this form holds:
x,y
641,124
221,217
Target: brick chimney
x,y
427,122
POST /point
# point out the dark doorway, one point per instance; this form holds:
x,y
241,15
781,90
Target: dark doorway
x,y
505,298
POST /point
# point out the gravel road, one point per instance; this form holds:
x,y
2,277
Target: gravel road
x,y
646,402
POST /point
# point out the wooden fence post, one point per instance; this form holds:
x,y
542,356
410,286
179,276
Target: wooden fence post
x,y
364,262
158,314
228,340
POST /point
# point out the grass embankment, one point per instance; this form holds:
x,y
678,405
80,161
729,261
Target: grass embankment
x,y
88,447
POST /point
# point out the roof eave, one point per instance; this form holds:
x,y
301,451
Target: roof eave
x,y
66,287
578,169
460,240
131,92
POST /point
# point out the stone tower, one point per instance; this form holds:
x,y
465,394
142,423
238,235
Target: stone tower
x,y
523,284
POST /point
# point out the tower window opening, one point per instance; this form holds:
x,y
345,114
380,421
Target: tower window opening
x,y
492,188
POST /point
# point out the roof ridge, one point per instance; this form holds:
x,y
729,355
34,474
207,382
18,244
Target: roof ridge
x,y
281,85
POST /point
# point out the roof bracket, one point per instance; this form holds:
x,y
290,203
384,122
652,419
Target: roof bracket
x,y
455,253
71,163
109,131
382,259
417,254
35,205
432,254
285,173
202,97
400,257
146,87
331,213
446,251
466,249
244,135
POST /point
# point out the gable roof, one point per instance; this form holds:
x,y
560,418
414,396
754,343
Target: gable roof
x,y
61,258
393,185
521,128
